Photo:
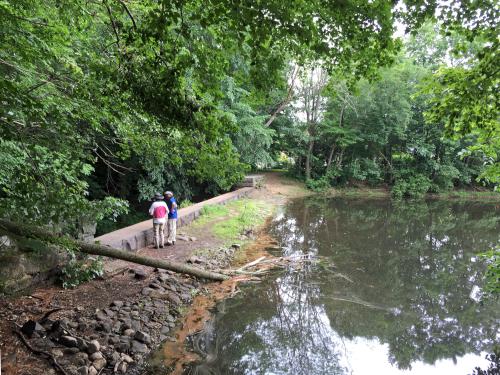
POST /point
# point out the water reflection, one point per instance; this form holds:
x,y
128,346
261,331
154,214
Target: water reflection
x,y
391,292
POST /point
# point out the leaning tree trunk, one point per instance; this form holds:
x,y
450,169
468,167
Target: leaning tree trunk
x,y
310,149
96,249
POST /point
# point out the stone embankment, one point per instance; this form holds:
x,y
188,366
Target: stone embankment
x,y
140,235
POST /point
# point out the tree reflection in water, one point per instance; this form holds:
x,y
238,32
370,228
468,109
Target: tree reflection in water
x,y
398,274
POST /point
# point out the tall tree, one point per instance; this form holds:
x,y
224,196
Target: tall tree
x,y
312,102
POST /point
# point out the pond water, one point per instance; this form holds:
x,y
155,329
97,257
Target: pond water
x,y
392,289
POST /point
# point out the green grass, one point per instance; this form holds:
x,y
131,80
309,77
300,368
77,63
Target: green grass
x,y
234,218
467,194
383,193
211,212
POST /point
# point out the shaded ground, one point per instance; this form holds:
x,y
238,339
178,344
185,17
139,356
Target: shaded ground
x,y
118,283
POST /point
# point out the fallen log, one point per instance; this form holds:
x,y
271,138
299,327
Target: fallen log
x,y
96,249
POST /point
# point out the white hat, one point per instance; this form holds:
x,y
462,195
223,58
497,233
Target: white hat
x,y
169,193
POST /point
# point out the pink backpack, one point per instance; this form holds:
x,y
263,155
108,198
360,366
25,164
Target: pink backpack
x,y
159,212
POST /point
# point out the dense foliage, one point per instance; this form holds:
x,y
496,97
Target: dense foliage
x,y
103,103
386,131
124,98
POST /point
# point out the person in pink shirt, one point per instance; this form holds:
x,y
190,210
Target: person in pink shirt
x,y
159,211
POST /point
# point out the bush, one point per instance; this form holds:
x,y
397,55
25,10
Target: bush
x,y
319,185
365,169
185,203
445,176
78,271
415,186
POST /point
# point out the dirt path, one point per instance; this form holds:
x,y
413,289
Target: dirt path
x,y
98,294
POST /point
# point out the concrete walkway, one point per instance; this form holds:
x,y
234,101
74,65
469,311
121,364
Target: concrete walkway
x,y
140,235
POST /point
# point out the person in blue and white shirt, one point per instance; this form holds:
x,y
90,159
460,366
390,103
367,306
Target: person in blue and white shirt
x,y
172,218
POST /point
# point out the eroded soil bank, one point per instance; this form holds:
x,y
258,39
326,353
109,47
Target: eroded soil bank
x,y
111,325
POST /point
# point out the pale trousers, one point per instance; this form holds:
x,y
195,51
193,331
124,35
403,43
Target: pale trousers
x,y
158,229
171,230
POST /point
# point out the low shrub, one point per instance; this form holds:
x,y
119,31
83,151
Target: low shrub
x,y
185,203
78,271
415,186
319,185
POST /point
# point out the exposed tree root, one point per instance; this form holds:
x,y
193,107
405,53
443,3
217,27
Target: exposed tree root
x,y
50,357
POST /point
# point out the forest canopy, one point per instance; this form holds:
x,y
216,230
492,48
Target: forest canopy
x,y
105,102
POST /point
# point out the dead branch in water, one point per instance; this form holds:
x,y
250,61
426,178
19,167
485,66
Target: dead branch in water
x,y
253,263
264,265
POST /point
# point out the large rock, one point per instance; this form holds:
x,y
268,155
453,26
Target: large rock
x,y
31,327
95,356
86,228
93,347
140,274
99,363
142,337
174,298
139,347
68,341
117,303
21,267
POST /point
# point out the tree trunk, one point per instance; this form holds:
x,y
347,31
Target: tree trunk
x,y
95,249
332,150
330,156
287,100
308,159
340,158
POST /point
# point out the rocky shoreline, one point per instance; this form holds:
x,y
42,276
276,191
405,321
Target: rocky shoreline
x,y
118,339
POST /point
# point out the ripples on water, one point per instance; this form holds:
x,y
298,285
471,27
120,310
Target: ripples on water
x,y
395,290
